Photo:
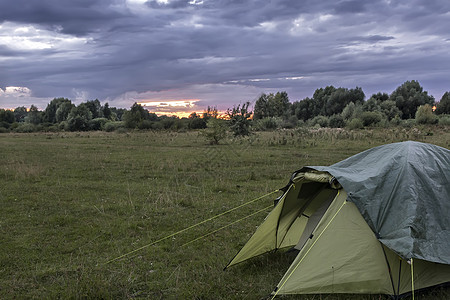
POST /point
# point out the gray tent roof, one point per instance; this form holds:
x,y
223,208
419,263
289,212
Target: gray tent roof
x,y
403,192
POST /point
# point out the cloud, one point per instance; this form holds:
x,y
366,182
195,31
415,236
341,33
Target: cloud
x,y
221,52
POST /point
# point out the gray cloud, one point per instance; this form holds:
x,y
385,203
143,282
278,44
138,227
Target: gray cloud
x,y
85,49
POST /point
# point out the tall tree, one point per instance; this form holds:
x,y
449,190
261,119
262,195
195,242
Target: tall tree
x,y
330,100
79,118
321,97
52,107
272,105
409,96
20,113
62,113
34,116
95,107
261,107
279,104
304,109
106,111
135,116
443,107
6,118
380,96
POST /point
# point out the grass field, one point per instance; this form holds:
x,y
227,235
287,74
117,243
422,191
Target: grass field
x,y
70,202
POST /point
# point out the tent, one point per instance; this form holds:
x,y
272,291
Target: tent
x,y
375,223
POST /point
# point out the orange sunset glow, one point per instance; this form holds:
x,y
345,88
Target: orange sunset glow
x,y
181,108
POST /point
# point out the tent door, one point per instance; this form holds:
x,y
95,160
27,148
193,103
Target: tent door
x,y
314,219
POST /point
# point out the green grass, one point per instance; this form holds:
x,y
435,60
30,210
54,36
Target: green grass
x,y
70,202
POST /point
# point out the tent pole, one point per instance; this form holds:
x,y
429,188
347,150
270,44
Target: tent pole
x,y
390,273
399,273
412,279
275,293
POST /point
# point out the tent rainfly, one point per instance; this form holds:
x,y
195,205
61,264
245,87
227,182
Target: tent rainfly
x,y
375,223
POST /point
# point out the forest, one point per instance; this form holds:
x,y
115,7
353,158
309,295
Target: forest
x,y
407,105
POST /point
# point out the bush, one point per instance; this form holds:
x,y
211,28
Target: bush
x,y
4,124
167,122
336,121
396,121
240,119
268,123
215,132
384,123
444,120
121,130
355,123
26,127
321,121
179,125
113,126
145,124
97,123
408,123
52,128
290,123
370,118
425,115
3,130
197,123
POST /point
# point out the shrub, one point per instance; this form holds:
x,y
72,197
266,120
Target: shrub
x,y
240,119
113,126
4,124
355,123
424,115
179,124
409,123
370,118
167,122
145,124
97,123
215,132
26,127
444,120
52,128
121,130
289,123
321,121
336,121
396,121
268,123
197,123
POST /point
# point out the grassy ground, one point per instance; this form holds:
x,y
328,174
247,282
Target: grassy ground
x,y
70,202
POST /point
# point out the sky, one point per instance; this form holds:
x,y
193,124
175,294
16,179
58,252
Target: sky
x,y
185,55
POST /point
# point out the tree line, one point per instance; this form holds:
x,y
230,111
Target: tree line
x,y
328,107
341,107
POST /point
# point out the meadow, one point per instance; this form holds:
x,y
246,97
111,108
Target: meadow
x,y
72,202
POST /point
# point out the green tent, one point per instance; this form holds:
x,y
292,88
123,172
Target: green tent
x,y
376,222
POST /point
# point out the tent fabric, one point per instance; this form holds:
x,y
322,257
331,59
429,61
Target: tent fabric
x,y
358,223
403,192
285,224
339,249
344,256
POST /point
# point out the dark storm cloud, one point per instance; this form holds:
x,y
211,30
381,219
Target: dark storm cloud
x,y
78,17
348,7
107,49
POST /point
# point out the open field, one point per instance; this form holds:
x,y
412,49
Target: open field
x,y
70,202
